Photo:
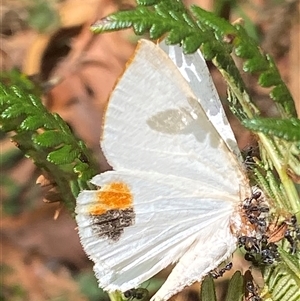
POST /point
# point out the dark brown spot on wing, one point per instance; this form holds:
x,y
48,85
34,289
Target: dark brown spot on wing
x,y
111,224
112,210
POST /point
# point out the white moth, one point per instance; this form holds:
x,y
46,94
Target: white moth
x,y
174,193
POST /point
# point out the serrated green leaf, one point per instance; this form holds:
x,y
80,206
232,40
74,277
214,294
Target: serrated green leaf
x,y
279,195
62,125
28,115
110,23
279,92
263,183
3,91
176,15
208,292
85,176
156,31
255,64
50,138
235,289
248,50
208,52
220,25
32,123
17,92
64,155
8,125
279,285
36,101
140,28
171,6
81,167
292,262
288,129
162,11
268,79
4,101
165,16
175,37
191,43
188,20
13,111
281,95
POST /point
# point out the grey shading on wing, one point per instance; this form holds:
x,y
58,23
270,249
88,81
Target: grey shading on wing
x,y
194,69
154,122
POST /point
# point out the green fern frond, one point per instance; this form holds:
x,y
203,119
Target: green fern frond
x,y
255,61
280,157
266,180
202,28
33,123
292,262
47,140
50,138
280,285
287,129
170,17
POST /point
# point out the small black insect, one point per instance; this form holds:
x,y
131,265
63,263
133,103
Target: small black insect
x,y
259,249
251,290
249,154
256,211
292,234
250,243
219,273
83,158
139,293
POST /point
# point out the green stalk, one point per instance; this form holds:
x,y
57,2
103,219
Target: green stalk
x,y
287,183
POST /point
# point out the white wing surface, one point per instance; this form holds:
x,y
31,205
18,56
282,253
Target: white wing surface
x,y
194,69
174,187
154,122
170,224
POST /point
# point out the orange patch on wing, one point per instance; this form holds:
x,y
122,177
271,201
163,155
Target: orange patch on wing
x,y
112,196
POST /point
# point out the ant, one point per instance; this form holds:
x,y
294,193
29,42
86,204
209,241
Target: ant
x,y
216,274
139,293
292,234
251,290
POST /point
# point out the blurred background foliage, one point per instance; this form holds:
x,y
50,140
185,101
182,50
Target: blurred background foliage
x,y
73,71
